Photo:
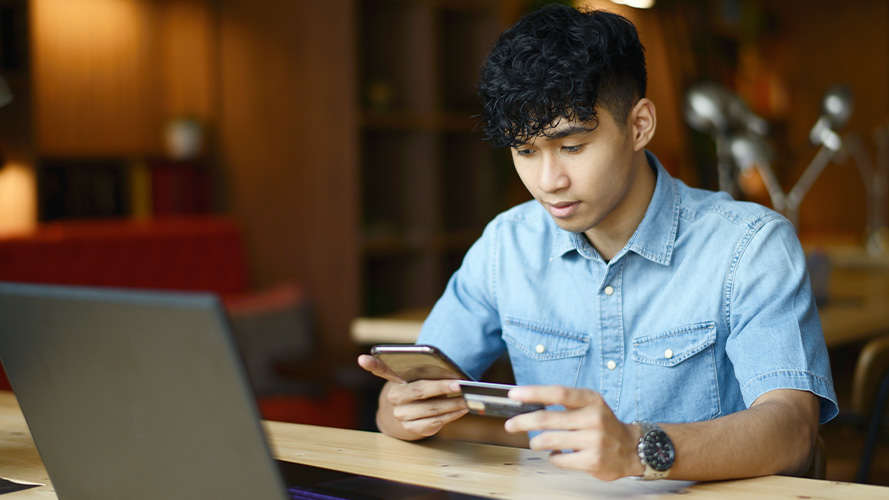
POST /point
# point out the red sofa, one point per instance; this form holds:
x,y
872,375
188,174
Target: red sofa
x,y
193,253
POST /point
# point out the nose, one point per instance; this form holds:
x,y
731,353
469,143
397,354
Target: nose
x,y
552,177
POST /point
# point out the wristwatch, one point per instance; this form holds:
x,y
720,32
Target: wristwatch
x,y
656,451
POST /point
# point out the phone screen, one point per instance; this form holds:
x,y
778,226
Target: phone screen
x,y
418,362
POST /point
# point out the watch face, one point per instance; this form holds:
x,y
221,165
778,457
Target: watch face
x,y
658,450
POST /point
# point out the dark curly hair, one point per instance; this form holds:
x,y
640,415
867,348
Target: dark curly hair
x,y
559,63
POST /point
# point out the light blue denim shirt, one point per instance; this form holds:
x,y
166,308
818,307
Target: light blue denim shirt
x,y
706,308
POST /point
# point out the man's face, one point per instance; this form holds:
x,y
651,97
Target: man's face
x,y
582,173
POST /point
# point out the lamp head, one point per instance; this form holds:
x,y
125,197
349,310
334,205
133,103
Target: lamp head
x,y
740,114
837,105
749,150
705,107
836,108
710,107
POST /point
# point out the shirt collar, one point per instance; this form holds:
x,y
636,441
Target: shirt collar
x,y
656,234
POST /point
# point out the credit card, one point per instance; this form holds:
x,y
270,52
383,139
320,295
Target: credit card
x,y
492,400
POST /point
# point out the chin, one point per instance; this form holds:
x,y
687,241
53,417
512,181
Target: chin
x,y
574,227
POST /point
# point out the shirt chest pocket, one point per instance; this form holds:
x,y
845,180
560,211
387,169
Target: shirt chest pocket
x,y
541,354
676,377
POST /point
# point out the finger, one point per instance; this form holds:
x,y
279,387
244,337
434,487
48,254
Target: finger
x,y
571,459
596,464
428,408
567,440
430,426
568,397
592,417
589,461
378,368
404,393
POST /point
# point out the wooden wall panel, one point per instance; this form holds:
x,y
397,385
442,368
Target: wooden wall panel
x,y
108,74
94,78
188,59
287,137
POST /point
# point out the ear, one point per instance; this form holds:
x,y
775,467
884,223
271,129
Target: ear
x,y
643,120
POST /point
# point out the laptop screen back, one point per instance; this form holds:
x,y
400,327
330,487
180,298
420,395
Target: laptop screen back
x,y
132,394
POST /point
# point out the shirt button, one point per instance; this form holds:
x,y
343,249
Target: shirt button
x,y
668,353
611,364
609,290
540,348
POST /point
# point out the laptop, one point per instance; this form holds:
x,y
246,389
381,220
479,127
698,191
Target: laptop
x,y
142,395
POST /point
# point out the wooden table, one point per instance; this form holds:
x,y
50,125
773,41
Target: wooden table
x,y
484,470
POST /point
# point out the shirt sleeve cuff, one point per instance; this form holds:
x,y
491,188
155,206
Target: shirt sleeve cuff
x,y
797,380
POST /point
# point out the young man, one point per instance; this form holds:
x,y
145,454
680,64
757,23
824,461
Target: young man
x,y
625,298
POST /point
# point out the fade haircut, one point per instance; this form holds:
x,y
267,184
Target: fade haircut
x,y
560,63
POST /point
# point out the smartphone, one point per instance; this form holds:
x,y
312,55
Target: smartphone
x,y
492,400
418,362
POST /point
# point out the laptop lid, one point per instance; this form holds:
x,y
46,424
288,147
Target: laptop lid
x,y
134,394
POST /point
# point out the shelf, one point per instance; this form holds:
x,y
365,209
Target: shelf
x,y
399,181
429,181
401,282
82,189
464,39
395,67
102,187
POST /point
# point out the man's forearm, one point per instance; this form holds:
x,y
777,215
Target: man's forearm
x,y
775,435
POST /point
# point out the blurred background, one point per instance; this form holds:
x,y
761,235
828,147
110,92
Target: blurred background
x,y
319,164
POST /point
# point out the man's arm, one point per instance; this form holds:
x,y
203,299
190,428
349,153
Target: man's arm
x,y
415,410
775,435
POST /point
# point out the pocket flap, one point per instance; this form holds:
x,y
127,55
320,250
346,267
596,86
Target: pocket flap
x,y
676,345
541,342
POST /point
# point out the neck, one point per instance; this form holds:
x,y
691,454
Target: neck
x,y
611,235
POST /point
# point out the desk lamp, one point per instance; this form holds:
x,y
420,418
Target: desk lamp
x,y
705,111
712,109
876,184
750,151
836,107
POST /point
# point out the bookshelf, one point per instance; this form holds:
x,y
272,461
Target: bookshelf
x,y
429,181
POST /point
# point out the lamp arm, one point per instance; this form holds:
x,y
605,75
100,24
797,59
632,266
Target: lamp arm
x,y
724,165
856,149
810,175
776,193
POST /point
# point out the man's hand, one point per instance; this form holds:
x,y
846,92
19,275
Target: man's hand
x,y
586,436
414,410
775,435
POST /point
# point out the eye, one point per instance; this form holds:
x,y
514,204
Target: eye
x,y
572,149
524,152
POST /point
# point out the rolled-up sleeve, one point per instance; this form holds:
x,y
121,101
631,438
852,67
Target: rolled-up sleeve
x,y
465,323
776,341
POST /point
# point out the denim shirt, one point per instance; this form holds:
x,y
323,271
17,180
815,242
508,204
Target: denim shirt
x,y
707,307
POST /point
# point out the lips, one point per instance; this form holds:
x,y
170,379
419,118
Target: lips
x,y
562,209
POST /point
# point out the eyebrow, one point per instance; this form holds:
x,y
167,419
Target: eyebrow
x,y
572,130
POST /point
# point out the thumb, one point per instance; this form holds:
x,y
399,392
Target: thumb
x,y
378,368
